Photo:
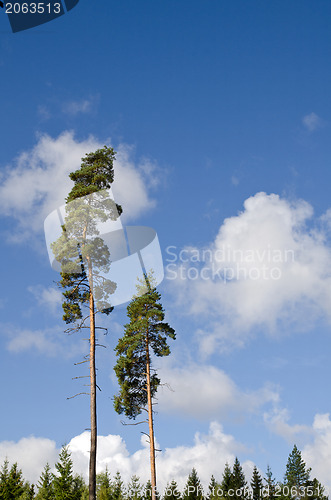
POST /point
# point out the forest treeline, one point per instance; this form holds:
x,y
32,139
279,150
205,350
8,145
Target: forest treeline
x,y
64,484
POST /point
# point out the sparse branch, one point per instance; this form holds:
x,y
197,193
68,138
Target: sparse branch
x,y
81,362
135,423
79,394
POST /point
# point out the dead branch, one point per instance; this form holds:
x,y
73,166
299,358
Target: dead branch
x,y
79,394
136,423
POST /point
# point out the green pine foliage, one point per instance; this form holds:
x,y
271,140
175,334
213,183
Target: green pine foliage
x,y
270,486
256,484
87,204
296,472
66,485
238,479
28,493
104,486
45,485
11,482
147,494
227,480
171,492
146,331
118,492
135,489
213,489
193,489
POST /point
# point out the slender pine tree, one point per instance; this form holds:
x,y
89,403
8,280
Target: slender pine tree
x,y
85,259
144,335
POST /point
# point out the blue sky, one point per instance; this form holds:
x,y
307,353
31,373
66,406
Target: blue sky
x,y
220,113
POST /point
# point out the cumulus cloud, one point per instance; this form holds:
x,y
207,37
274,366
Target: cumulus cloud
x,y
37,181
318,453
31,454
206,392
266,267
208,454
311,121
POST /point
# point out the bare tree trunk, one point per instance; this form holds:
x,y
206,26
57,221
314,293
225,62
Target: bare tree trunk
x,y
93,403
150,421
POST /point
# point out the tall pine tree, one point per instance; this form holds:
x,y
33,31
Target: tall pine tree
x,y
144,335
84,259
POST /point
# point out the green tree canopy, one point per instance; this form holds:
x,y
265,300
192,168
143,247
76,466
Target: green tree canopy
x,y
296,473
193,488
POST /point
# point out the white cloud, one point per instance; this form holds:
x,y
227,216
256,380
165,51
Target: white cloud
x,y
37,182
206,392
50,297
31,454
264,268
317,455
312,121
49,341
278,422
207,454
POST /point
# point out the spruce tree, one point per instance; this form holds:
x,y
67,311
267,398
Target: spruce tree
x,y
144,335
117,487
296,473
171,492
104,486
11,482
270,487
147,495
134,489
28,493
238,480
227,480
256,484
84,258
45,485
212,489
193,489
66,485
